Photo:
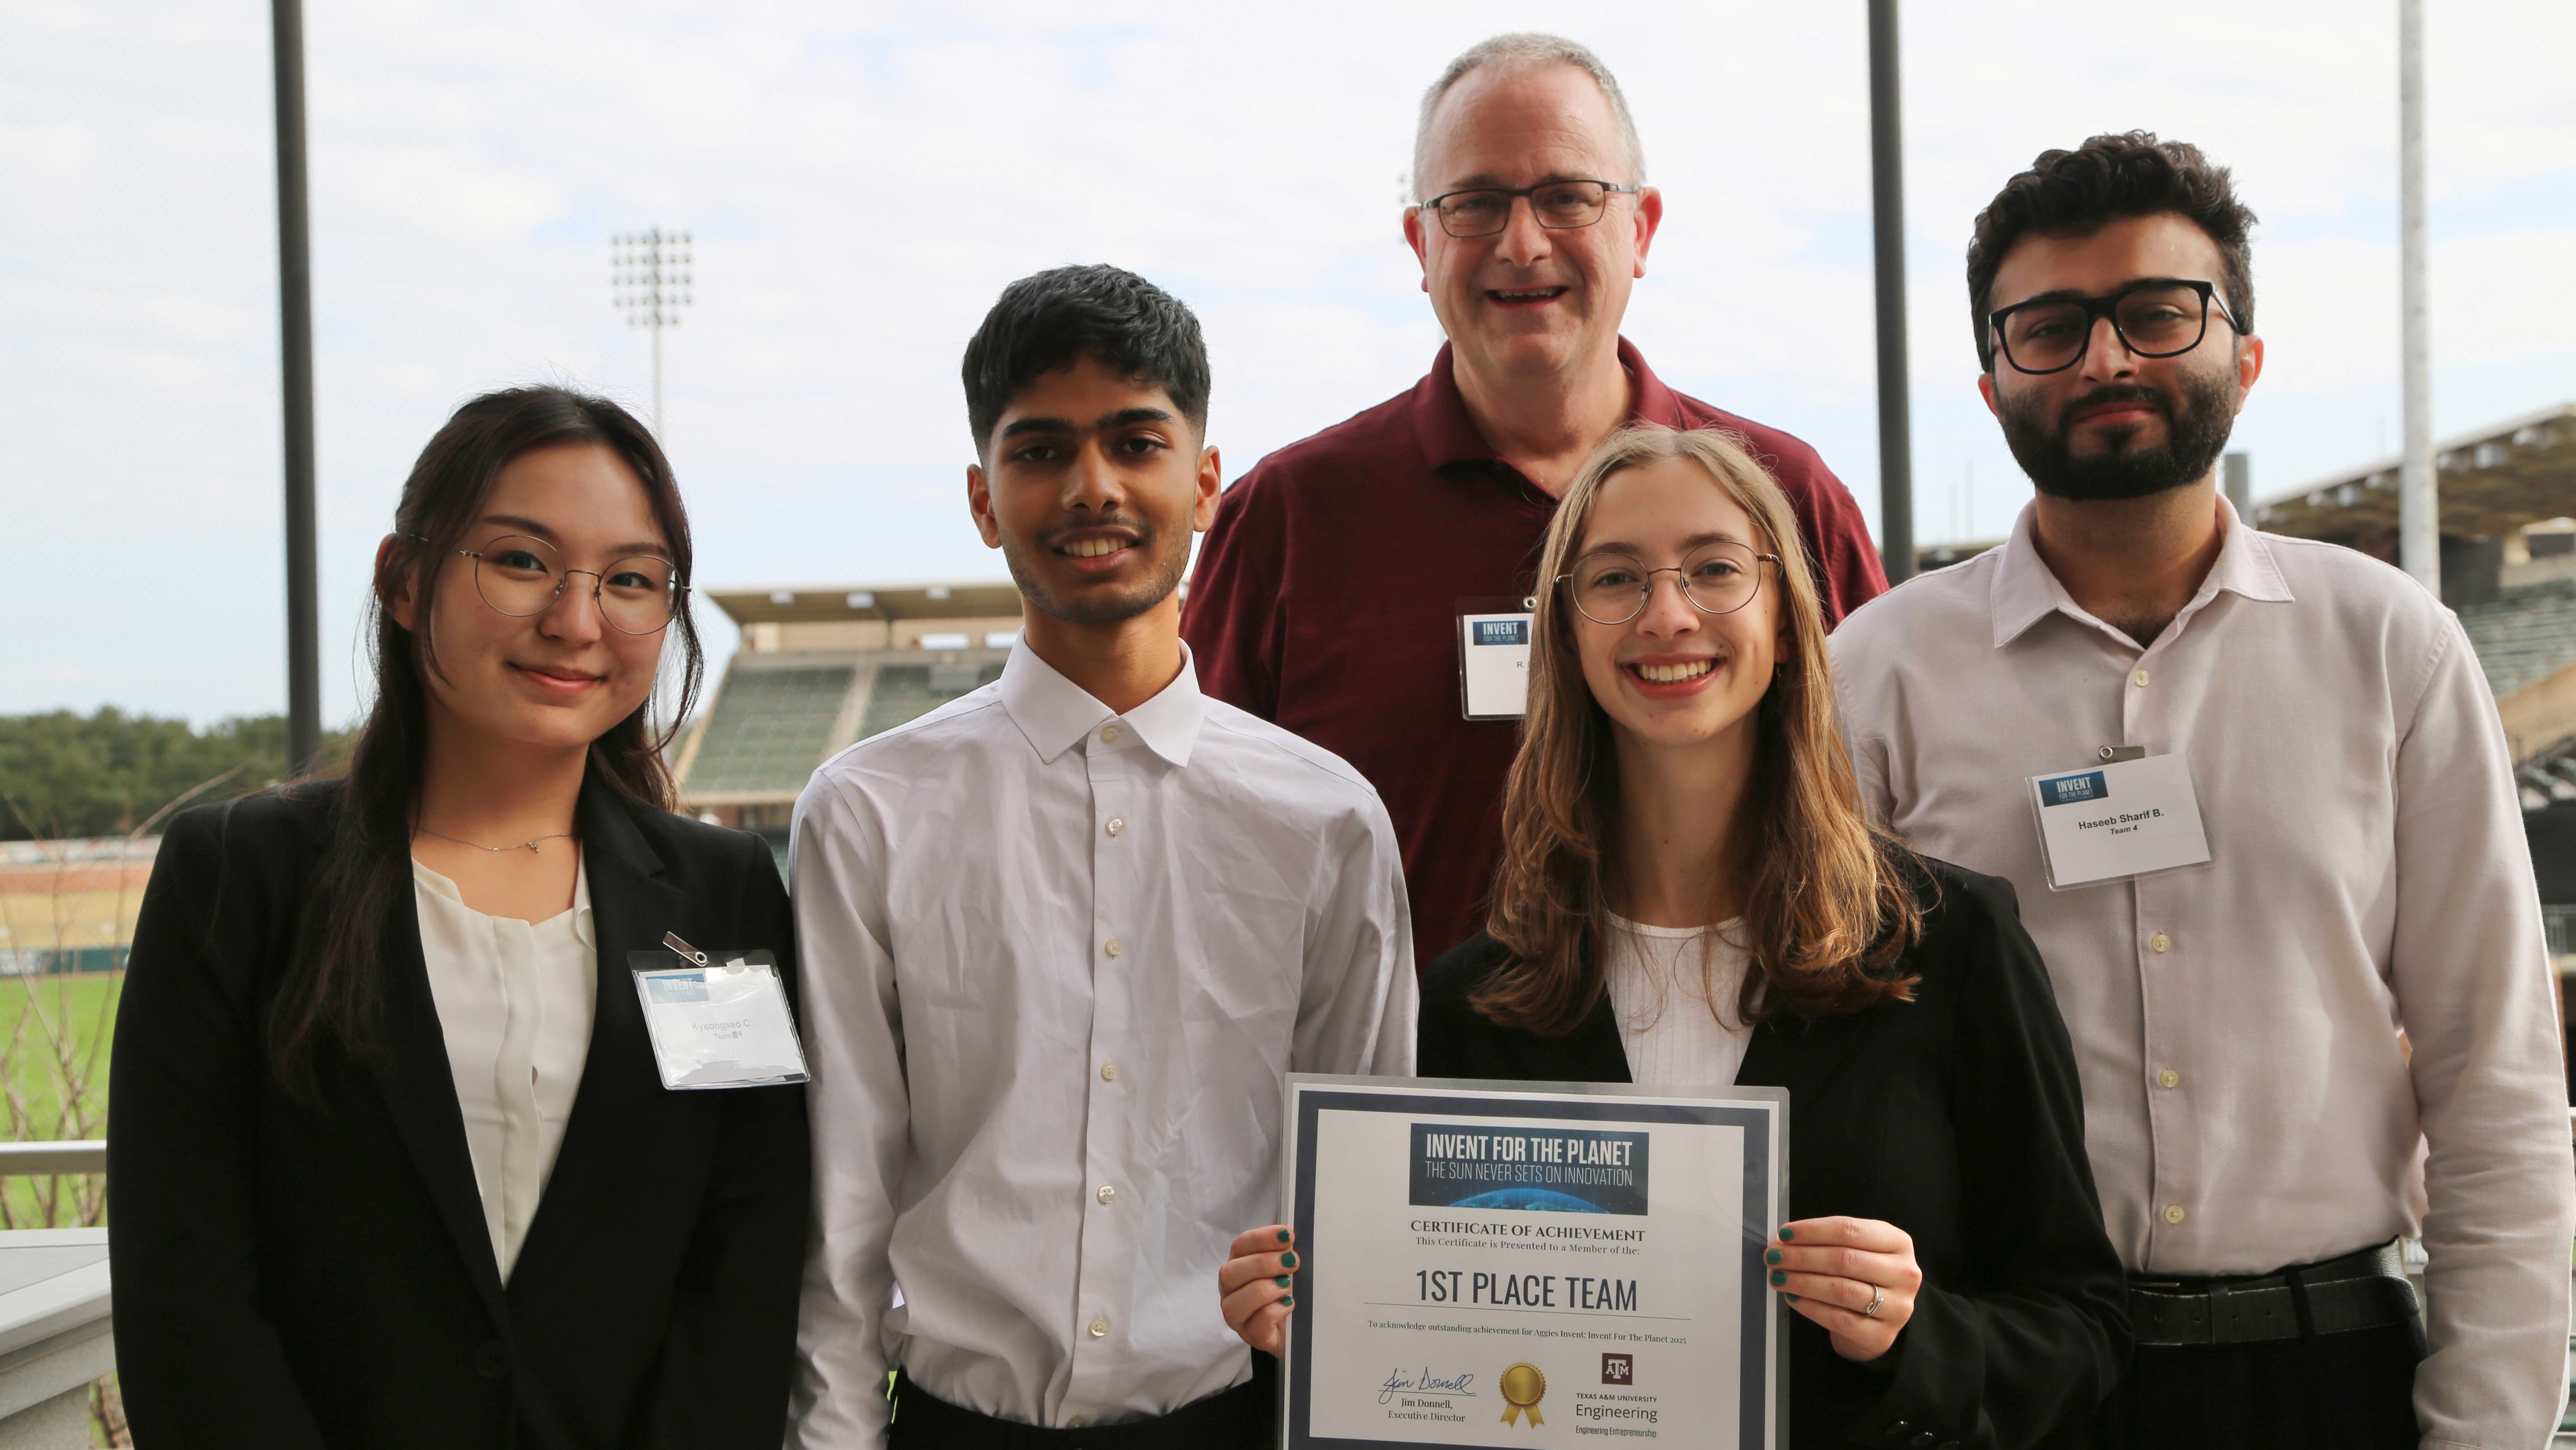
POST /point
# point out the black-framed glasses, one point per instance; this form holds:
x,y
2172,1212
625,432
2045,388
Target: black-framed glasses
x,y
1611,587
2158,317
1481,211
519,576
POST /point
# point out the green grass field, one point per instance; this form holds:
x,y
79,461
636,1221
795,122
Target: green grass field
x,y
35,1012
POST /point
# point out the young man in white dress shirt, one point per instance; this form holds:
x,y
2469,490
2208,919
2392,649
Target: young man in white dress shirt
x,y
1063,936
2260,1130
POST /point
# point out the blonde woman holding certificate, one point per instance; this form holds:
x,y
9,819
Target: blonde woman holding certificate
x,y
1690,895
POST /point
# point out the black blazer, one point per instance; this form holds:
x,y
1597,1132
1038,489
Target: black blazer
x,y
1955,1117
292,1277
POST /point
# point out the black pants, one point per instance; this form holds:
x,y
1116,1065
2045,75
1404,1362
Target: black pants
x,y
1242,1416
2349,1391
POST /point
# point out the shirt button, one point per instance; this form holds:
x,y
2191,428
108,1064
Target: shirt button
x,y
1115,825
2168,1078
1109,1072
1100,1327
1114,946
2160,942
2142,679
1106,1194
2173,1214
1108,734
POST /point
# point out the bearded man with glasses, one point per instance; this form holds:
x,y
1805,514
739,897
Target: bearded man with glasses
x,y
1334,594
2260,810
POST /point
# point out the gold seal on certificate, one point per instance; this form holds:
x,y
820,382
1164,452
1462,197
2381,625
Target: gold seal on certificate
x,y
1523,1387
1477,1248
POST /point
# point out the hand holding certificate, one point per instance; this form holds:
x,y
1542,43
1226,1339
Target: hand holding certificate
x,y
1854,1276
1523,1265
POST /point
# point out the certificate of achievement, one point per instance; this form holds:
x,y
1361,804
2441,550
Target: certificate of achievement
x,y
1533,1264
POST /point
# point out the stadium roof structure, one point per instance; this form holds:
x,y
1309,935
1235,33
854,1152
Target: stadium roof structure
x,y
2493,481
822,666
841,603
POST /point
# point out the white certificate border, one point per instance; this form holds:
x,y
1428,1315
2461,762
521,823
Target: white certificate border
x,y
1763,1113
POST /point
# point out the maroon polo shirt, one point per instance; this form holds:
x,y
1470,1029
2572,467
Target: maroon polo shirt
x,y
1327,596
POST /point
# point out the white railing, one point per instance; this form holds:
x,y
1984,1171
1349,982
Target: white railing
x,y
36,1160
57,1317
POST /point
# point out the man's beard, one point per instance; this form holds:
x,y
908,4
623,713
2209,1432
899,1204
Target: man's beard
x,y
2195,433
1098,608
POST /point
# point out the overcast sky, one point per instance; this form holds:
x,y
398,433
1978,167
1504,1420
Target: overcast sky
x,y
862,179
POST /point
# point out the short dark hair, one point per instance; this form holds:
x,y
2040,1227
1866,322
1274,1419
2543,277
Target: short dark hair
x,y
2107,179
1043,322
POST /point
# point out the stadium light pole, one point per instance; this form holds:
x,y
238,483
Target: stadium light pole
x,y
2419,525
648,274
295,348
1887,217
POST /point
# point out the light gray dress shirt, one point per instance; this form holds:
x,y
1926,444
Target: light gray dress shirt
x,y
2248,1100
1055,962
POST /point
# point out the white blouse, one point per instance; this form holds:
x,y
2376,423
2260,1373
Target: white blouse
x,y
515,1000
1663,982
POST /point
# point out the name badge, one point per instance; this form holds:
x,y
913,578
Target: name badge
x,y
2118,820
1493,665
720,1022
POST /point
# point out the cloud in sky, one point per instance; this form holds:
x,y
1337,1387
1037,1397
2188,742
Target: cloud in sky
x,y
862,180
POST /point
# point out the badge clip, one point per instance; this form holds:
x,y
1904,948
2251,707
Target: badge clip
x,y
2114,754
672,940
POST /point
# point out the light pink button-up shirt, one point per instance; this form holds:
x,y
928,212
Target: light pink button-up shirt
x,y
2248,1102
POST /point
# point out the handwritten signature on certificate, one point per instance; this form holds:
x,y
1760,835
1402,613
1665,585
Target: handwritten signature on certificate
x,y
1424,1382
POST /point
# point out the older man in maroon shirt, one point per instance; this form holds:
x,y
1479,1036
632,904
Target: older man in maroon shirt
x,y
1328,595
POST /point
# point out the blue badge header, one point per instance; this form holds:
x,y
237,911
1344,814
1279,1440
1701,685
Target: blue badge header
x,y
2074,790
1502,631
1551,1170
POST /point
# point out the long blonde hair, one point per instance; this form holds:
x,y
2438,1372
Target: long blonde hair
x,y
1827,907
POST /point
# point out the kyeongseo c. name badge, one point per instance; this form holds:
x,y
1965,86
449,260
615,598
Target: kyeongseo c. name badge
x,y
1493,665
2120,819
717,1022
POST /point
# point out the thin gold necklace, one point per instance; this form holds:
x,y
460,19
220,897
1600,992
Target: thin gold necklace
x,y
527,845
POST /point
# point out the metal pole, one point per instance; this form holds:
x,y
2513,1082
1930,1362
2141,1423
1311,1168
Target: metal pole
x,y
295,339
2240,484
1887,209
2419,526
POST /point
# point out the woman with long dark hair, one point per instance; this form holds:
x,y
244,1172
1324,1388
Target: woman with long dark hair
x,y
391,1163
1690,895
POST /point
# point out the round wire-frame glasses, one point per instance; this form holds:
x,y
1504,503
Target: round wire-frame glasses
x,y
520,575
1559,206
1611,587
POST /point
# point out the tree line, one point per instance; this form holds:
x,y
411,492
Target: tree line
x,y
63,774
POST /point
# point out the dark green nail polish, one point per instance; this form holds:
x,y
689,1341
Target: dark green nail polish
x,y
1283,1281
1792,1298
1787,1234
1288,1260
1288,1303
1778,1278
1283,1236
1771,1256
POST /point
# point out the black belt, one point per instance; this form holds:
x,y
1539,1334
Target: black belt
x,y
2358,1291
1239,1416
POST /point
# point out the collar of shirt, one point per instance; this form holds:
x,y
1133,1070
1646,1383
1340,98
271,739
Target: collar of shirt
x,y
1054,713
2026,591
580,908
1448,433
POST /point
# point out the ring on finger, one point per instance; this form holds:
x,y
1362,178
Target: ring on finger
x,y
1877,1297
